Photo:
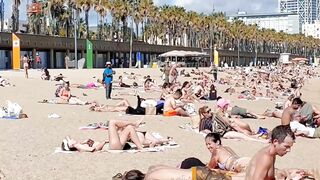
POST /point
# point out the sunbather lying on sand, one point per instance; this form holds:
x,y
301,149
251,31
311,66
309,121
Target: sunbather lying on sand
x,y
119,133
124,106
4,82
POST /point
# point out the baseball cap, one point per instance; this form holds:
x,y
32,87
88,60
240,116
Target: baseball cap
x,y
108,63
222,102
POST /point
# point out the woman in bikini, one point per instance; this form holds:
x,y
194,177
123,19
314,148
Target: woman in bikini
x,y
25,61
223,157
119,133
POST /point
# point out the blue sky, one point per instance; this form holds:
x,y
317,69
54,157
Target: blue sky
x,y
205,6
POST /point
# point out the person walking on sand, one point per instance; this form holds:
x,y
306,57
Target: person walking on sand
x,y
25,61
66,60
107,78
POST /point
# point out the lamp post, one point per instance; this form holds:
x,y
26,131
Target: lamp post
x,y
131,33
75,38
1,15
130,55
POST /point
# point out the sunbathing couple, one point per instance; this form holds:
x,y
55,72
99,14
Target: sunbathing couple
x,y
225,164
228,128
119,134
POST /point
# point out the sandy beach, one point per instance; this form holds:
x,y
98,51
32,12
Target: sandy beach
x,y
28,145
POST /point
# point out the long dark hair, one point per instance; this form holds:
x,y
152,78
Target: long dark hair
x,y
215,137
133,175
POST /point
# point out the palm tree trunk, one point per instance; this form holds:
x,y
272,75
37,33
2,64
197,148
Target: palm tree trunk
x,y
15,18
137,30
87,23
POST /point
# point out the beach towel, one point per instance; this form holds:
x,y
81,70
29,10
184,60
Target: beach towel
x,y
188,127
153,149
95,126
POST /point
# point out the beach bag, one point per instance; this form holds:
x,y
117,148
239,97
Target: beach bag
x,y
151,110
219,126
14,109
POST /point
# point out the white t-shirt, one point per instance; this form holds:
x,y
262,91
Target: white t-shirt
x,y
296,126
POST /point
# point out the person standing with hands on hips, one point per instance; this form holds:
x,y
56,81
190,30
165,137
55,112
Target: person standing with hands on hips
x,y
107,79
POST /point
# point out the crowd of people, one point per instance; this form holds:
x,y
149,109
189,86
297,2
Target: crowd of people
x,y
222,121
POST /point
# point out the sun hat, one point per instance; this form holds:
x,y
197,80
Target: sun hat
x,y
222,102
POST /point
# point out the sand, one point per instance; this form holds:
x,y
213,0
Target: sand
x,y
27,145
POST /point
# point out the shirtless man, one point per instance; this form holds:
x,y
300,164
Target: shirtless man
x,y
171,108
166,72
174,73
289,113
261,166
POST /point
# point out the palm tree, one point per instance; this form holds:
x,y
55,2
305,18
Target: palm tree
x,y
101,7
120,11
86,6
15,15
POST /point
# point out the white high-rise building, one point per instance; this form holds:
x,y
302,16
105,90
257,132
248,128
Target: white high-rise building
x,y
308,10
280,22
312,29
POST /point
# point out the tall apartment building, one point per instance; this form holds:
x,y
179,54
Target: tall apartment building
x,y
308,10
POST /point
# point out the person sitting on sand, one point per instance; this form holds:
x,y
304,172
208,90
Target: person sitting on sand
x,y
187,95
122,84
290,112
149,85
214,122
200,91
166,91
65,97
262,164
222,157
45,75
172,108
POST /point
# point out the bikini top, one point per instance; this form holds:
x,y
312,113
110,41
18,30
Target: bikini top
x,y
65,93
223,166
